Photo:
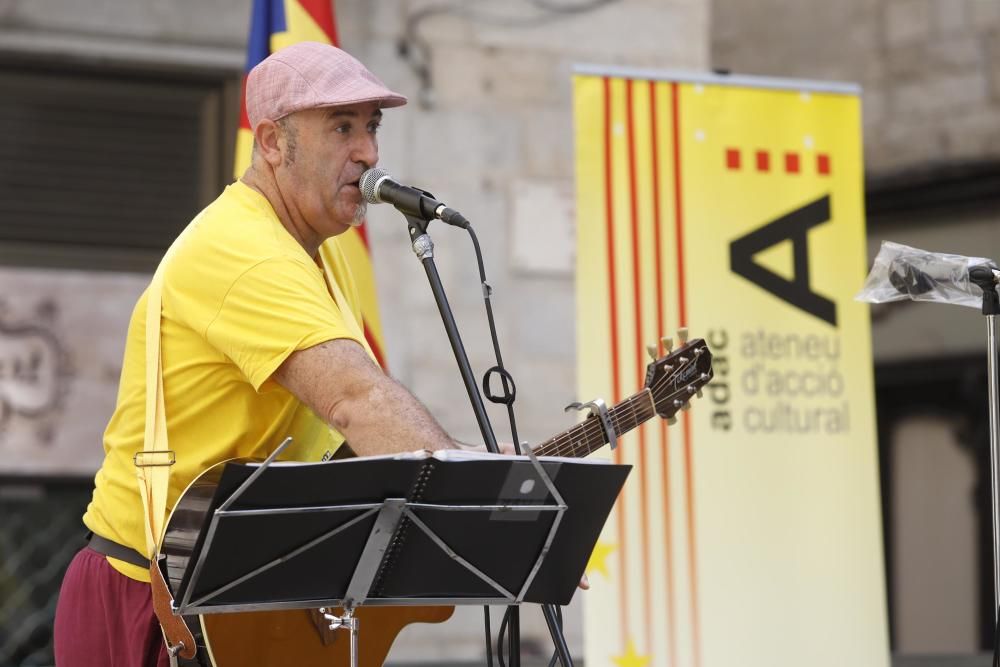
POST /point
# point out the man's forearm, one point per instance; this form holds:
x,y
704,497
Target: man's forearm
x,y
375,413
387,419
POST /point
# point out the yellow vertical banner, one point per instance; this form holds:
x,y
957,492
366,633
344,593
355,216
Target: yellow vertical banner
x,y
749,532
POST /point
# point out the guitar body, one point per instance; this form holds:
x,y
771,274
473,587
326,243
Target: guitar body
x,y
275,638
280,638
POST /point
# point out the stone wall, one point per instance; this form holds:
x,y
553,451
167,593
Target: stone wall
x,y
929,68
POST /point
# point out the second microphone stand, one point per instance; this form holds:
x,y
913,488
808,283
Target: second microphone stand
x,y
423,247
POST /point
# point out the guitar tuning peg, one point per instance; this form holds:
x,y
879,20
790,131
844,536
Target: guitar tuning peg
x,y
699,394
671,420
668,343
686,407
653,352
682,335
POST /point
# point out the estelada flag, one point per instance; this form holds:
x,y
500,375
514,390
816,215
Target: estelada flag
x,y
275,24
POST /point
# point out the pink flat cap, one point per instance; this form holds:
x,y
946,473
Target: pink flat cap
x,y
308,75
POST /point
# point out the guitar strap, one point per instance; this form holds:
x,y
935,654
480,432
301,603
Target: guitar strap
x,y
152,466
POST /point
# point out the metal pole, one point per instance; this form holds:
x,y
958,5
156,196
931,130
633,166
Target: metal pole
x,y
353,628
994,411
985,276
423,247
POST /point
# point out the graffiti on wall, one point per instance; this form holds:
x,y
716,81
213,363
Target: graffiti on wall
x,y
35,369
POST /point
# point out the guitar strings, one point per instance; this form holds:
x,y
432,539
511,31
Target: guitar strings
x,y
590,430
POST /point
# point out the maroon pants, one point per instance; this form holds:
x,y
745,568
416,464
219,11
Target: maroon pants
x,y
105,619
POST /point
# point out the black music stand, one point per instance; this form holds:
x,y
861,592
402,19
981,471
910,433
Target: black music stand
x,y
415,529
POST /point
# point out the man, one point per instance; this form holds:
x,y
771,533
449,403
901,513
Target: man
x,y
259,339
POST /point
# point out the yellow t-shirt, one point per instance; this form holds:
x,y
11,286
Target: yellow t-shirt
x,y
239,296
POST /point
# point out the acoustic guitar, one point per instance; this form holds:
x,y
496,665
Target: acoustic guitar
x,y
300,637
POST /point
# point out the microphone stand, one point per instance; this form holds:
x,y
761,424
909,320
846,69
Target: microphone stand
x,y
986,278
423,247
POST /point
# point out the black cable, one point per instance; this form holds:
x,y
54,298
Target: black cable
x,y
996,640
559,621
506,380
500,637
489,636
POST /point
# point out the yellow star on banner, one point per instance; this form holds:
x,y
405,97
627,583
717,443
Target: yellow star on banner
x,y
599,558
631,657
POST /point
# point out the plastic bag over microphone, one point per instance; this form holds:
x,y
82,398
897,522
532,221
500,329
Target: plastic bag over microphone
x,y
901,272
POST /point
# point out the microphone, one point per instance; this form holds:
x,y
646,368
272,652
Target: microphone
x,y
377,186
907,278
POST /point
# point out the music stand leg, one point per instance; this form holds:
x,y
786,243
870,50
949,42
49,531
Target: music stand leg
x,y
346,621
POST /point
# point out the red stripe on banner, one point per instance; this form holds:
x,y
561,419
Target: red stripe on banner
x,y
661,328
681,289
640,360
615,370
322,12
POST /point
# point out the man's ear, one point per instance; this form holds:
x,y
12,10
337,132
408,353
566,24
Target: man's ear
x,y
266,136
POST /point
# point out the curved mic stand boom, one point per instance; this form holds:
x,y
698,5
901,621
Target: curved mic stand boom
x,y
423,247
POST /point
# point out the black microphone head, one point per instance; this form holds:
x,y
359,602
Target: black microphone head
x,y
369,183
907,278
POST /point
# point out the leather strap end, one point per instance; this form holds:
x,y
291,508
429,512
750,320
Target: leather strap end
x,y
174,628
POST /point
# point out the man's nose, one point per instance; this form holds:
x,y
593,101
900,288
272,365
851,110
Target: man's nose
x,y
367,152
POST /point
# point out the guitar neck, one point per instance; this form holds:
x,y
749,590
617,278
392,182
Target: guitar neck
x,y
588,436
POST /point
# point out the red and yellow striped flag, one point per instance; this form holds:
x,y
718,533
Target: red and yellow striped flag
x,y
275,24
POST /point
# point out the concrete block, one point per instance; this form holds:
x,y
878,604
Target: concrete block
x,y
671,34
543,227
973,135
516,78
984,14
386,19
938,95
873,108
458,77
214,22
950,16
547,142
907,21
472,147
991,47
543,317
914,62
900,145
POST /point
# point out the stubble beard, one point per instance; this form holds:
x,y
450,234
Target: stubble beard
x,y
359,214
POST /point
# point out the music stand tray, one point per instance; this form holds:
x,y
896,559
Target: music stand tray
x,y
443,528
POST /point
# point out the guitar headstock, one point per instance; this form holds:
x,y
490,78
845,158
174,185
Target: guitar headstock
x,y
679,376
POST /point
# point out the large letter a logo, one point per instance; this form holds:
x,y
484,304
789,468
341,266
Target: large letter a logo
x,y
794,227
